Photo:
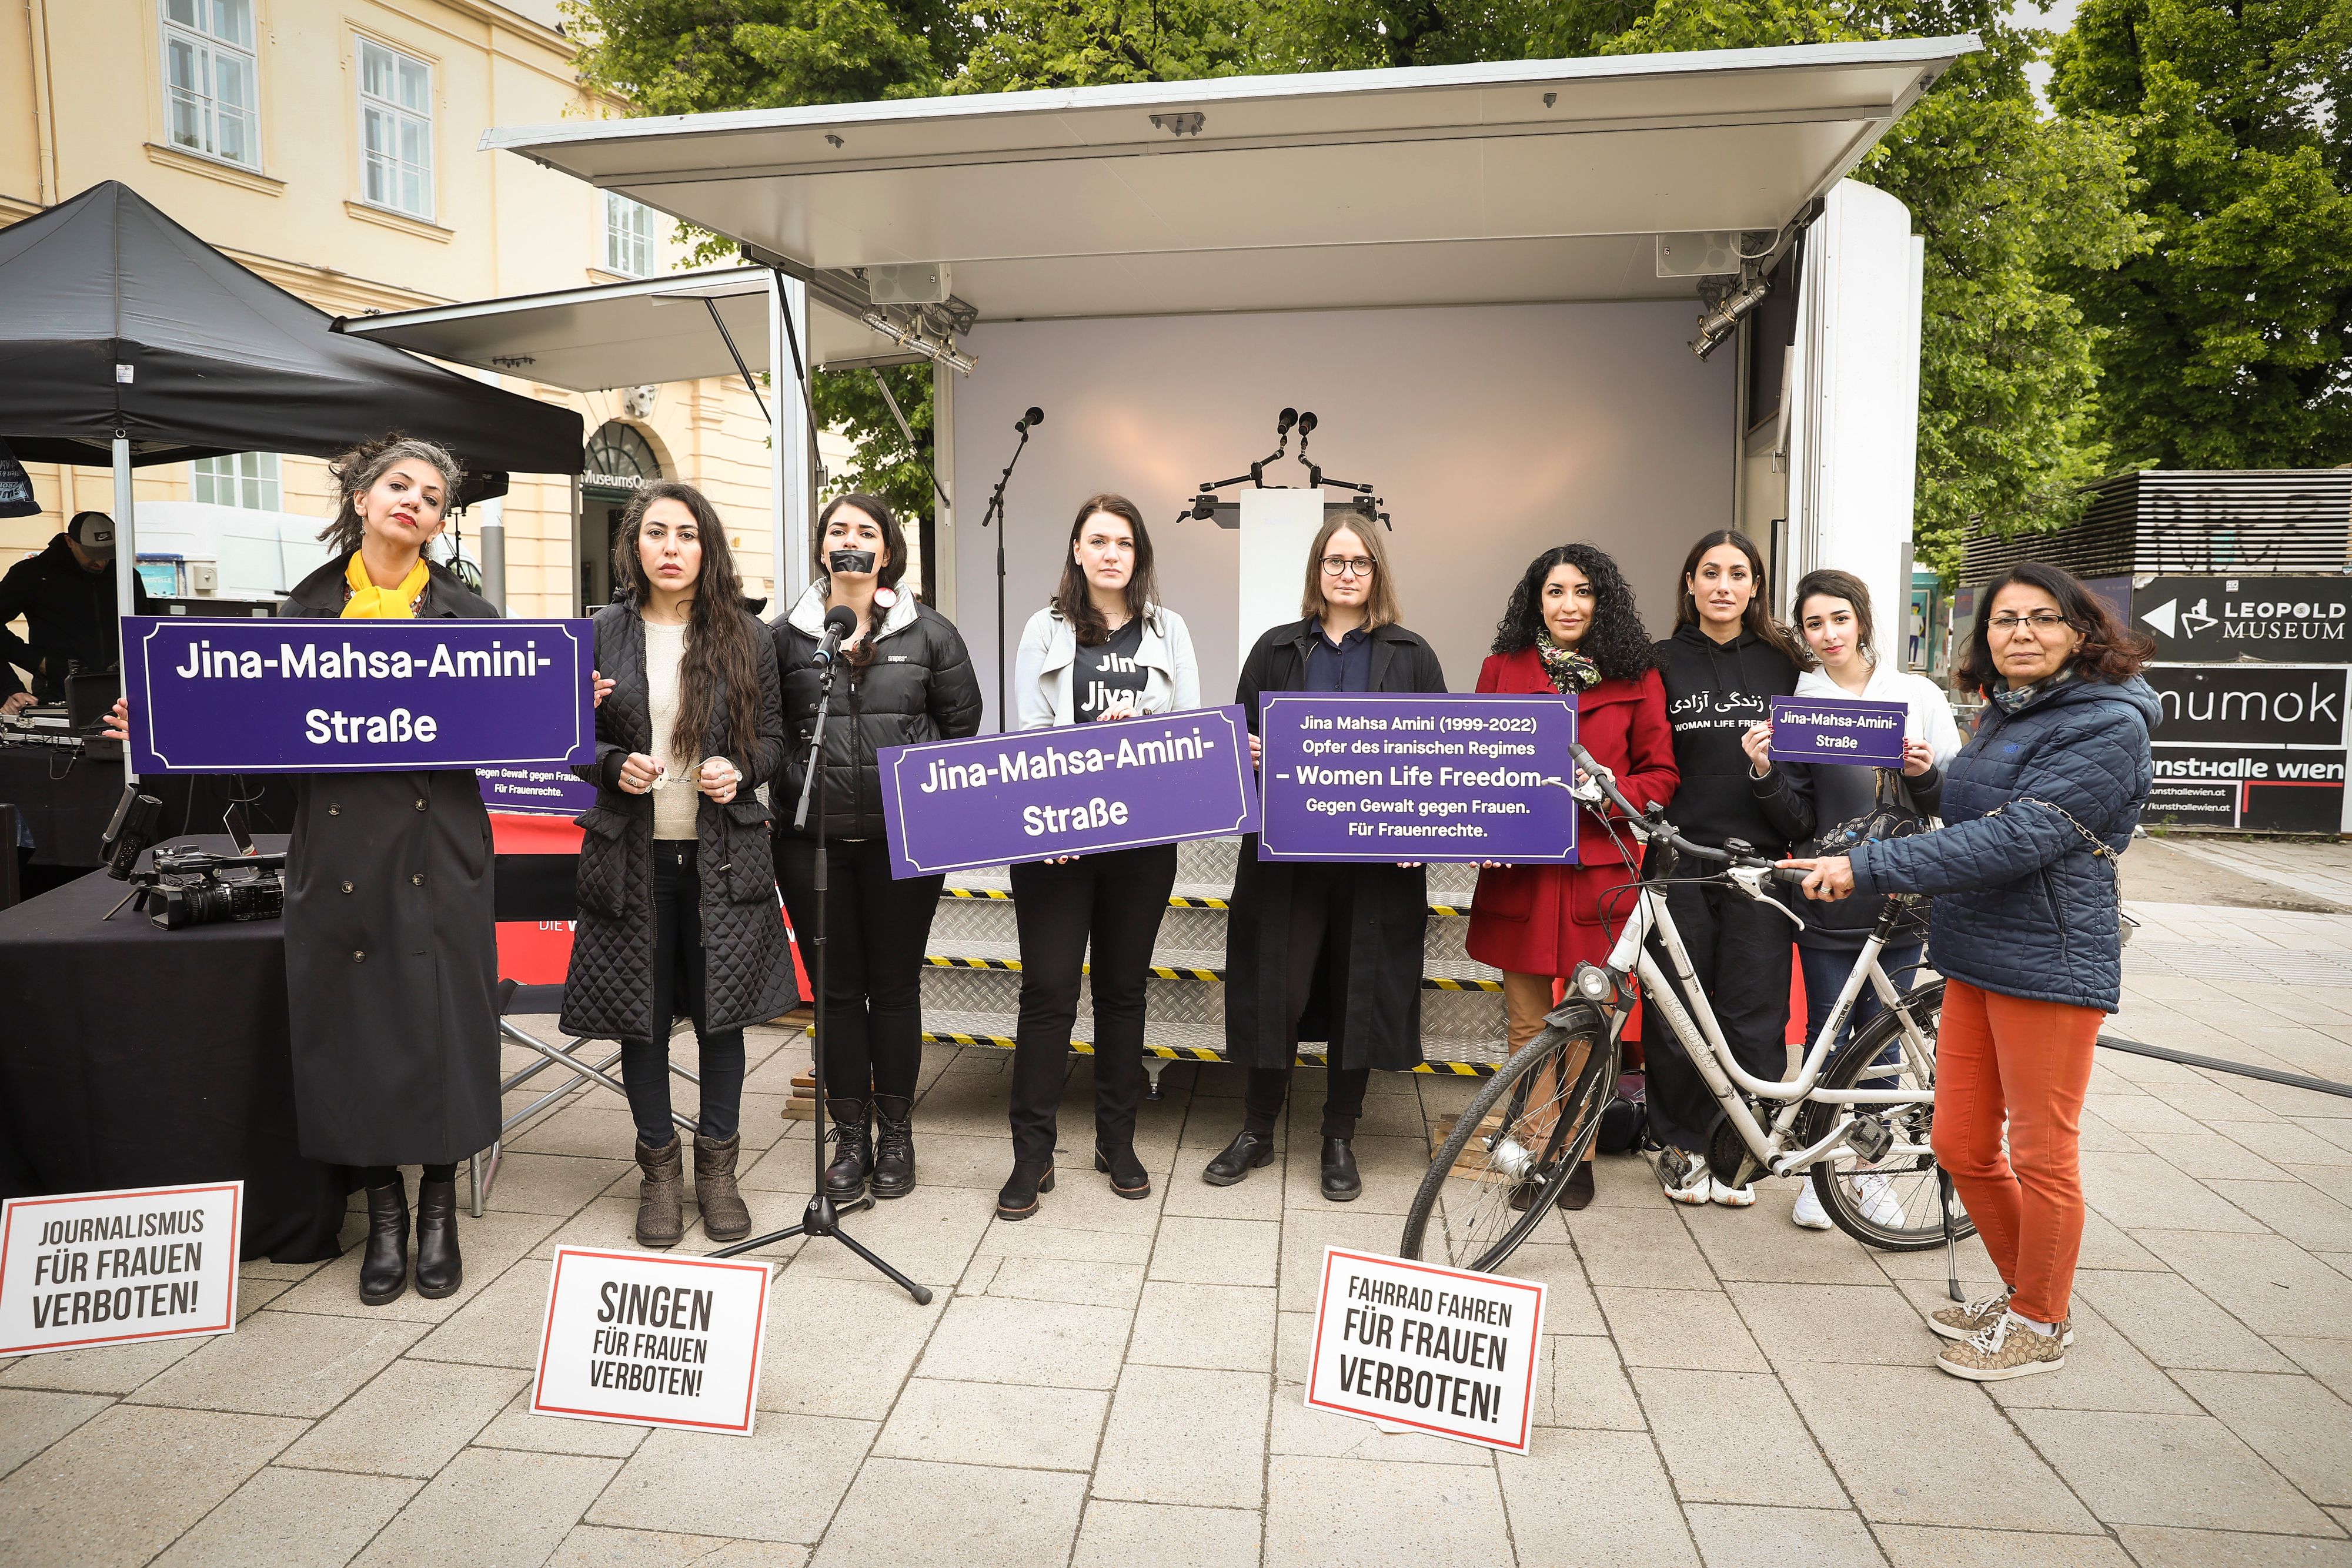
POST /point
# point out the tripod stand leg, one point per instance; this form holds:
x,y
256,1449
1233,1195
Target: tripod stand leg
x,y
922,1293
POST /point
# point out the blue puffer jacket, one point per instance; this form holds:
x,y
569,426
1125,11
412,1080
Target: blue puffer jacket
x,y
2023,905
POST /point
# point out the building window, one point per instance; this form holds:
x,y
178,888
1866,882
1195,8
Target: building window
x,y
395,130
248,479
628,236
211,104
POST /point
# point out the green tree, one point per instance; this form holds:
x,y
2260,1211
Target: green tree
x,y
1027,44
2229,345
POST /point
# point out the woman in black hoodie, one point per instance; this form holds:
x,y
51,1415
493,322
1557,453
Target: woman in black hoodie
x,y
1723,666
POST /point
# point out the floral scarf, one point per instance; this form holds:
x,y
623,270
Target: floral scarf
x,y
1569,671
2013,699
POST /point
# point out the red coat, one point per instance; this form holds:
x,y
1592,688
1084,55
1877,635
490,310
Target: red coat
x,y
1546,919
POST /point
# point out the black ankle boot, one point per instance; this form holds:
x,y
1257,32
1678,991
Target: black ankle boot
x,y
1018,1199
1247,1152
439,1269
1340,1182
383,1269
844,1179
1127,1177
894,1146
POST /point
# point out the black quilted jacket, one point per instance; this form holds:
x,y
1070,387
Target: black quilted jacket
x,y
747,956
919,685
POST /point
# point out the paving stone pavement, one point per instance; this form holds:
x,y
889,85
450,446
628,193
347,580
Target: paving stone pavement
x,y
1118,1382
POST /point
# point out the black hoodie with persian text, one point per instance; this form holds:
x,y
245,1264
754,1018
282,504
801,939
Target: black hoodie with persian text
x,y
1714,693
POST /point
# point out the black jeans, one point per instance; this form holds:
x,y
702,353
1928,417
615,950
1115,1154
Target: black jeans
x,y
875,929
1826,969
1741,951
678,979
1322,910
1115,901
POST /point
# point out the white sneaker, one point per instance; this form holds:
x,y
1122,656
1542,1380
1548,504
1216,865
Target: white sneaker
x,y
1809,1212
1879,1203
1734,1196
1684,1176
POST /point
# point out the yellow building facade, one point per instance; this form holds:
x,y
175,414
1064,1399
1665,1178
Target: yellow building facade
x,y
331,146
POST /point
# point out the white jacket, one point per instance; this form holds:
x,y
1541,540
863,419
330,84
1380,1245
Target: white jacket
x,y
1049,646
1931,712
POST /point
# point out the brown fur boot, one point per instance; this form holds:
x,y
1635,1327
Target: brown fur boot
x,y
724,1218
661,1196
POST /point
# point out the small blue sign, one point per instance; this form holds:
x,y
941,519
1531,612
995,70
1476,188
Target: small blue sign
x,y
991,800
304,696
526,787
1838,729
1461,777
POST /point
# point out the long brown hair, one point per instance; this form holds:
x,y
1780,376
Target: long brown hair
x,y
1073,602
356,472
719,646
2110,651
1830,583
1757,619
1380,606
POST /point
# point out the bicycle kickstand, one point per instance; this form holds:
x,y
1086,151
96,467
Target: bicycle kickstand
x,y
1951,1249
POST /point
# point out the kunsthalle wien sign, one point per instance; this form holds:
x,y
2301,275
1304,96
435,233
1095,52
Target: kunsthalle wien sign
x,y
989,801
1414,1344
647,1339
1372,776
304,696
81,1270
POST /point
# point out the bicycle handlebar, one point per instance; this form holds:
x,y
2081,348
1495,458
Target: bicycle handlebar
x,y
1664,831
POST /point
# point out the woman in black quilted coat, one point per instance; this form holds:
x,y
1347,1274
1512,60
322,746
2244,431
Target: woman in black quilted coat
x,y
678,891
904,676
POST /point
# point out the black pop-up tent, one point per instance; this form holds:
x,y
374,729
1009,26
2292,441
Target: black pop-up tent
x,y
126,341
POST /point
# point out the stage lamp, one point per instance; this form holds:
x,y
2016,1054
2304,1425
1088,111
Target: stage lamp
x,y
1717,320
915,342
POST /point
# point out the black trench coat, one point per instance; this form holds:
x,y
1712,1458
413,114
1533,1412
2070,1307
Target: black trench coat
x,y
392,945
746,958
1378,1023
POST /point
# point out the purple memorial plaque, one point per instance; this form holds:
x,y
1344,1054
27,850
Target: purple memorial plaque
x,y
307,696
526,787
991,800
1839,729
1482,777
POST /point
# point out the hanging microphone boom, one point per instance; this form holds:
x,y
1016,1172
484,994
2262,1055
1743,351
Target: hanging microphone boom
x,y
1033,417
840,621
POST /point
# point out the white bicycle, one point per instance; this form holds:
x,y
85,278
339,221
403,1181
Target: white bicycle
x,y
1857,1117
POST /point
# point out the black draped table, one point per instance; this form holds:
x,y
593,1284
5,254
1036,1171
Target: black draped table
x,y
131,1056
68,798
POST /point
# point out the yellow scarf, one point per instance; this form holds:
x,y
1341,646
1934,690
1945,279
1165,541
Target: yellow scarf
x,y
370,602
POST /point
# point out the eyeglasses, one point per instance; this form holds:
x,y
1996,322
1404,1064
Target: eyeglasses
x,y
2038,624
1347,566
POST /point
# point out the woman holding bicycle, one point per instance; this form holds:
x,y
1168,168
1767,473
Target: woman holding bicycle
x,y
1571,628
1833,616
2027,929
1723,666
1102,650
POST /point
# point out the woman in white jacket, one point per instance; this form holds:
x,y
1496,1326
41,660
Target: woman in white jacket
x,y
1101,650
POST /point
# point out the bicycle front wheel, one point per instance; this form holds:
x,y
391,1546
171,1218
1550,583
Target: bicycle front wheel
x,y
1893,1202
1498,1173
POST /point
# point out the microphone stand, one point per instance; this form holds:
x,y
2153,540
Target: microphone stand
x,y
996,513
821,1217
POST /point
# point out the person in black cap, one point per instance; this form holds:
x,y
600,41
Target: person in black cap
x,y
65,595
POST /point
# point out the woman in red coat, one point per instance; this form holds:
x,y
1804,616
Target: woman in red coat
x,y
1571,628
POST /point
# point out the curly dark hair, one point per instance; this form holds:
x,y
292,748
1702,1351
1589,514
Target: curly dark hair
x,y
2111,651
356,472
1617,642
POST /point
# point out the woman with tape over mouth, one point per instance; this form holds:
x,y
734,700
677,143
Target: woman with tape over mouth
x,y
391,945
1325,950
1102,650
903,676
677,886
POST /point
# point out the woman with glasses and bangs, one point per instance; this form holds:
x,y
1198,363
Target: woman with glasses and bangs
x,y
2027,931
1325,951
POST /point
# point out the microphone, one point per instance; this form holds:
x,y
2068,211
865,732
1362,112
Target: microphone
x,y
1034,416
840,621
1284,420
1306,425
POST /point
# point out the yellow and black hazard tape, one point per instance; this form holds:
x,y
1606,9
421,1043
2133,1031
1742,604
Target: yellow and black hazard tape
x,y
1175,900
1182,972
1204,1053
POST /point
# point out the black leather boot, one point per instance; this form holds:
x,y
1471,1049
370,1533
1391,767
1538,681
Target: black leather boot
x,y
1340,1182
383,1269
1127,1177
1018,1199
894,1146
439,1269
844,1179
1246,1154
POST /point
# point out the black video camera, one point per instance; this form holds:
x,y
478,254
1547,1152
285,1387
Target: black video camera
x,y
188,886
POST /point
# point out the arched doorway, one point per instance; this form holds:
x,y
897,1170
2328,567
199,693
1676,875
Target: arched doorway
x,y
619,460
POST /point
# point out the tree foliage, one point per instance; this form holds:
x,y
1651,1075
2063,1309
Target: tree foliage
x,y
2225,346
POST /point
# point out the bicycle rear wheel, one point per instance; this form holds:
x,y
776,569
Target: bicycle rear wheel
x,y
1522,1133
1891,1203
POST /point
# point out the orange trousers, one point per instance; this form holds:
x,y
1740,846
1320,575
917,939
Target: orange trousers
x,y
2028,1062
